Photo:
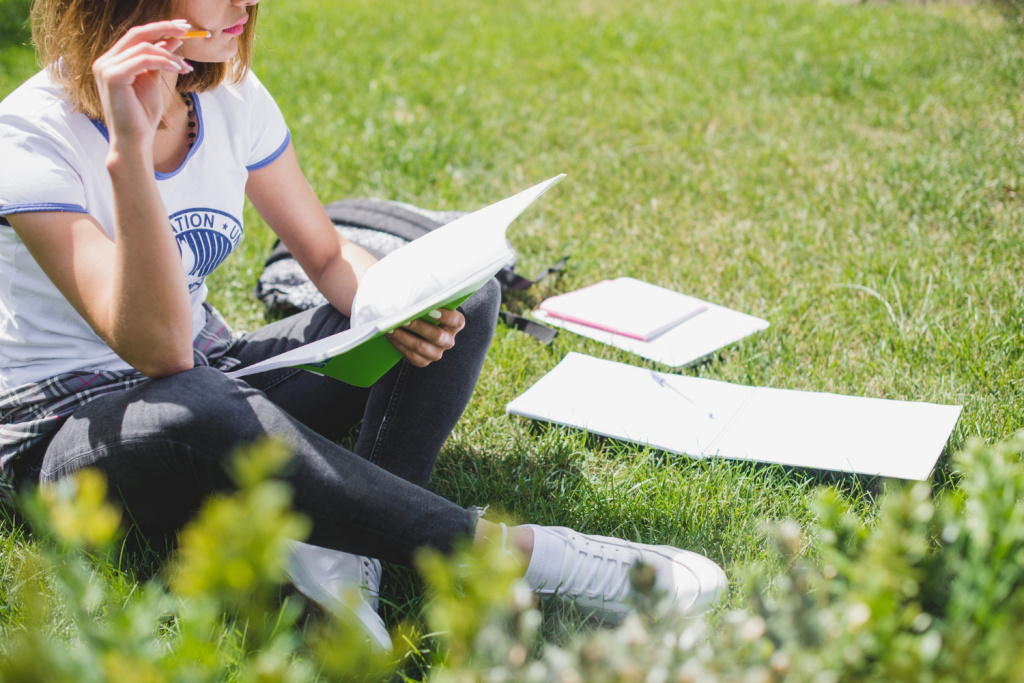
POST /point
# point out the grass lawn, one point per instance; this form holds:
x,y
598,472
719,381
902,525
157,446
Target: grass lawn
x,y
851,173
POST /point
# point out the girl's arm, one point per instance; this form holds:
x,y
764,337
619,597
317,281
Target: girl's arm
x,y
287,203
284,199
132,289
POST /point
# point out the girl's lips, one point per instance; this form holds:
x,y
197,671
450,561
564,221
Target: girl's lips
x,y
236,29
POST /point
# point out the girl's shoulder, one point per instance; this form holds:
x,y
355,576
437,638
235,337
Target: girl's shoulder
x,y
37,98
248,114
48,149
37,109
249,93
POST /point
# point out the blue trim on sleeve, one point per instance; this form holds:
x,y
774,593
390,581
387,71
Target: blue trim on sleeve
x,y
8,209
273,157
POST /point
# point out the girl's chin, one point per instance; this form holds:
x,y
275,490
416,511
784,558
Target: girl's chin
x,y
211,52
207,58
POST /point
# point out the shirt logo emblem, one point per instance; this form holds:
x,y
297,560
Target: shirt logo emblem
x,y
205,238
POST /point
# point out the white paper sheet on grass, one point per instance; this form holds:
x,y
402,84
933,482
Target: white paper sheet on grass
x,y
686,343
803,429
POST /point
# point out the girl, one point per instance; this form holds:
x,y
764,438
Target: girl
x,y
125,167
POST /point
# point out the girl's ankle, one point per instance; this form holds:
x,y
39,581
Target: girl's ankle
x,y
520,538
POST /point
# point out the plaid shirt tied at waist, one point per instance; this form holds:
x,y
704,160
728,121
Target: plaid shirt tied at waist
x,y
31,412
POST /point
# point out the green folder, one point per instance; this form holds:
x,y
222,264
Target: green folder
x,y
365,363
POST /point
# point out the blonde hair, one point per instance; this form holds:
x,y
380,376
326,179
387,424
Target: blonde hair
x,y
72,34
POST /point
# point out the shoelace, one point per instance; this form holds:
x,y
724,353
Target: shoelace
x,y
599,570
371,575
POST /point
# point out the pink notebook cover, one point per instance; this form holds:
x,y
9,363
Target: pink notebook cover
x,y
624,306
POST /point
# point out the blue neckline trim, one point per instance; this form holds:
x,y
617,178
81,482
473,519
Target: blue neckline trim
x,y
201,132
101,127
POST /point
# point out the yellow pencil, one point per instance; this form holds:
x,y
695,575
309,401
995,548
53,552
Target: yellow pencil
x,y
199,33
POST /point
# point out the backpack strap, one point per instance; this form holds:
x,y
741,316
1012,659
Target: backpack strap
x,y
393,218
510,279
278,252
538,331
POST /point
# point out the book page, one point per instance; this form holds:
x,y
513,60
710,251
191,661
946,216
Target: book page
x,y
870,436
414,275
875,437
442,267
626,402
312,353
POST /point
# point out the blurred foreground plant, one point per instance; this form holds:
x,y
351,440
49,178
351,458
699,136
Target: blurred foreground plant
x,y
219,620
931,591
483,612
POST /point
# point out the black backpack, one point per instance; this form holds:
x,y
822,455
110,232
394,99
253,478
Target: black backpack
x,y
380,227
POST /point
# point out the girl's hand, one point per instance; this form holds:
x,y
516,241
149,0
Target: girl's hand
x,y
129,78
421,343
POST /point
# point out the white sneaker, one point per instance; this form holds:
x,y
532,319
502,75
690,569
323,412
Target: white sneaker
x,y
341,583
595,575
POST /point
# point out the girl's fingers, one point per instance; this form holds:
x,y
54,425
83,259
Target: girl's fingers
x,y
414,348
144,48
437,335
136,60
125,72
157,48
450,318
151,33
171,44
421,342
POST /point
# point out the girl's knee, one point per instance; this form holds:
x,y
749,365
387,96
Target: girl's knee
x,y
199,404
481,313
482,308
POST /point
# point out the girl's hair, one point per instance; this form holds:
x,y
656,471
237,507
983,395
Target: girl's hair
x,y
72,34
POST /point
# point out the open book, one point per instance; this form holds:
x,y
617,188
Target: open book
x,y
703,418
439,270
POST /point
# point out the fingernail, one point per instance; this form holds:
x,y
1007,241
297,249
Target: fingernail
x,y
182,22
186,67
407,324
436,315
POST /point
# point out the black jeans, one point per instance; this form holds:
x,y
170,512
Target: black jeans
x,y
163,445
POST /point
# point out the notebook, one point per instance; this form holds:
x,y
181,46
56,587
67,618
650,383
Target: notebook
x,y
624,306
708,327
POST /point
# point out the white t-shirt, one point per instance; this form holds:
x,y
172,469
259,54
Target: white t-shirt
x,y
52,159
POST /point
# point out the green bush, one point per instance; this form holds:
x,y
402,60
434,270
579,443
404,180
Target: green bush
x,y
929,592
1013,10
